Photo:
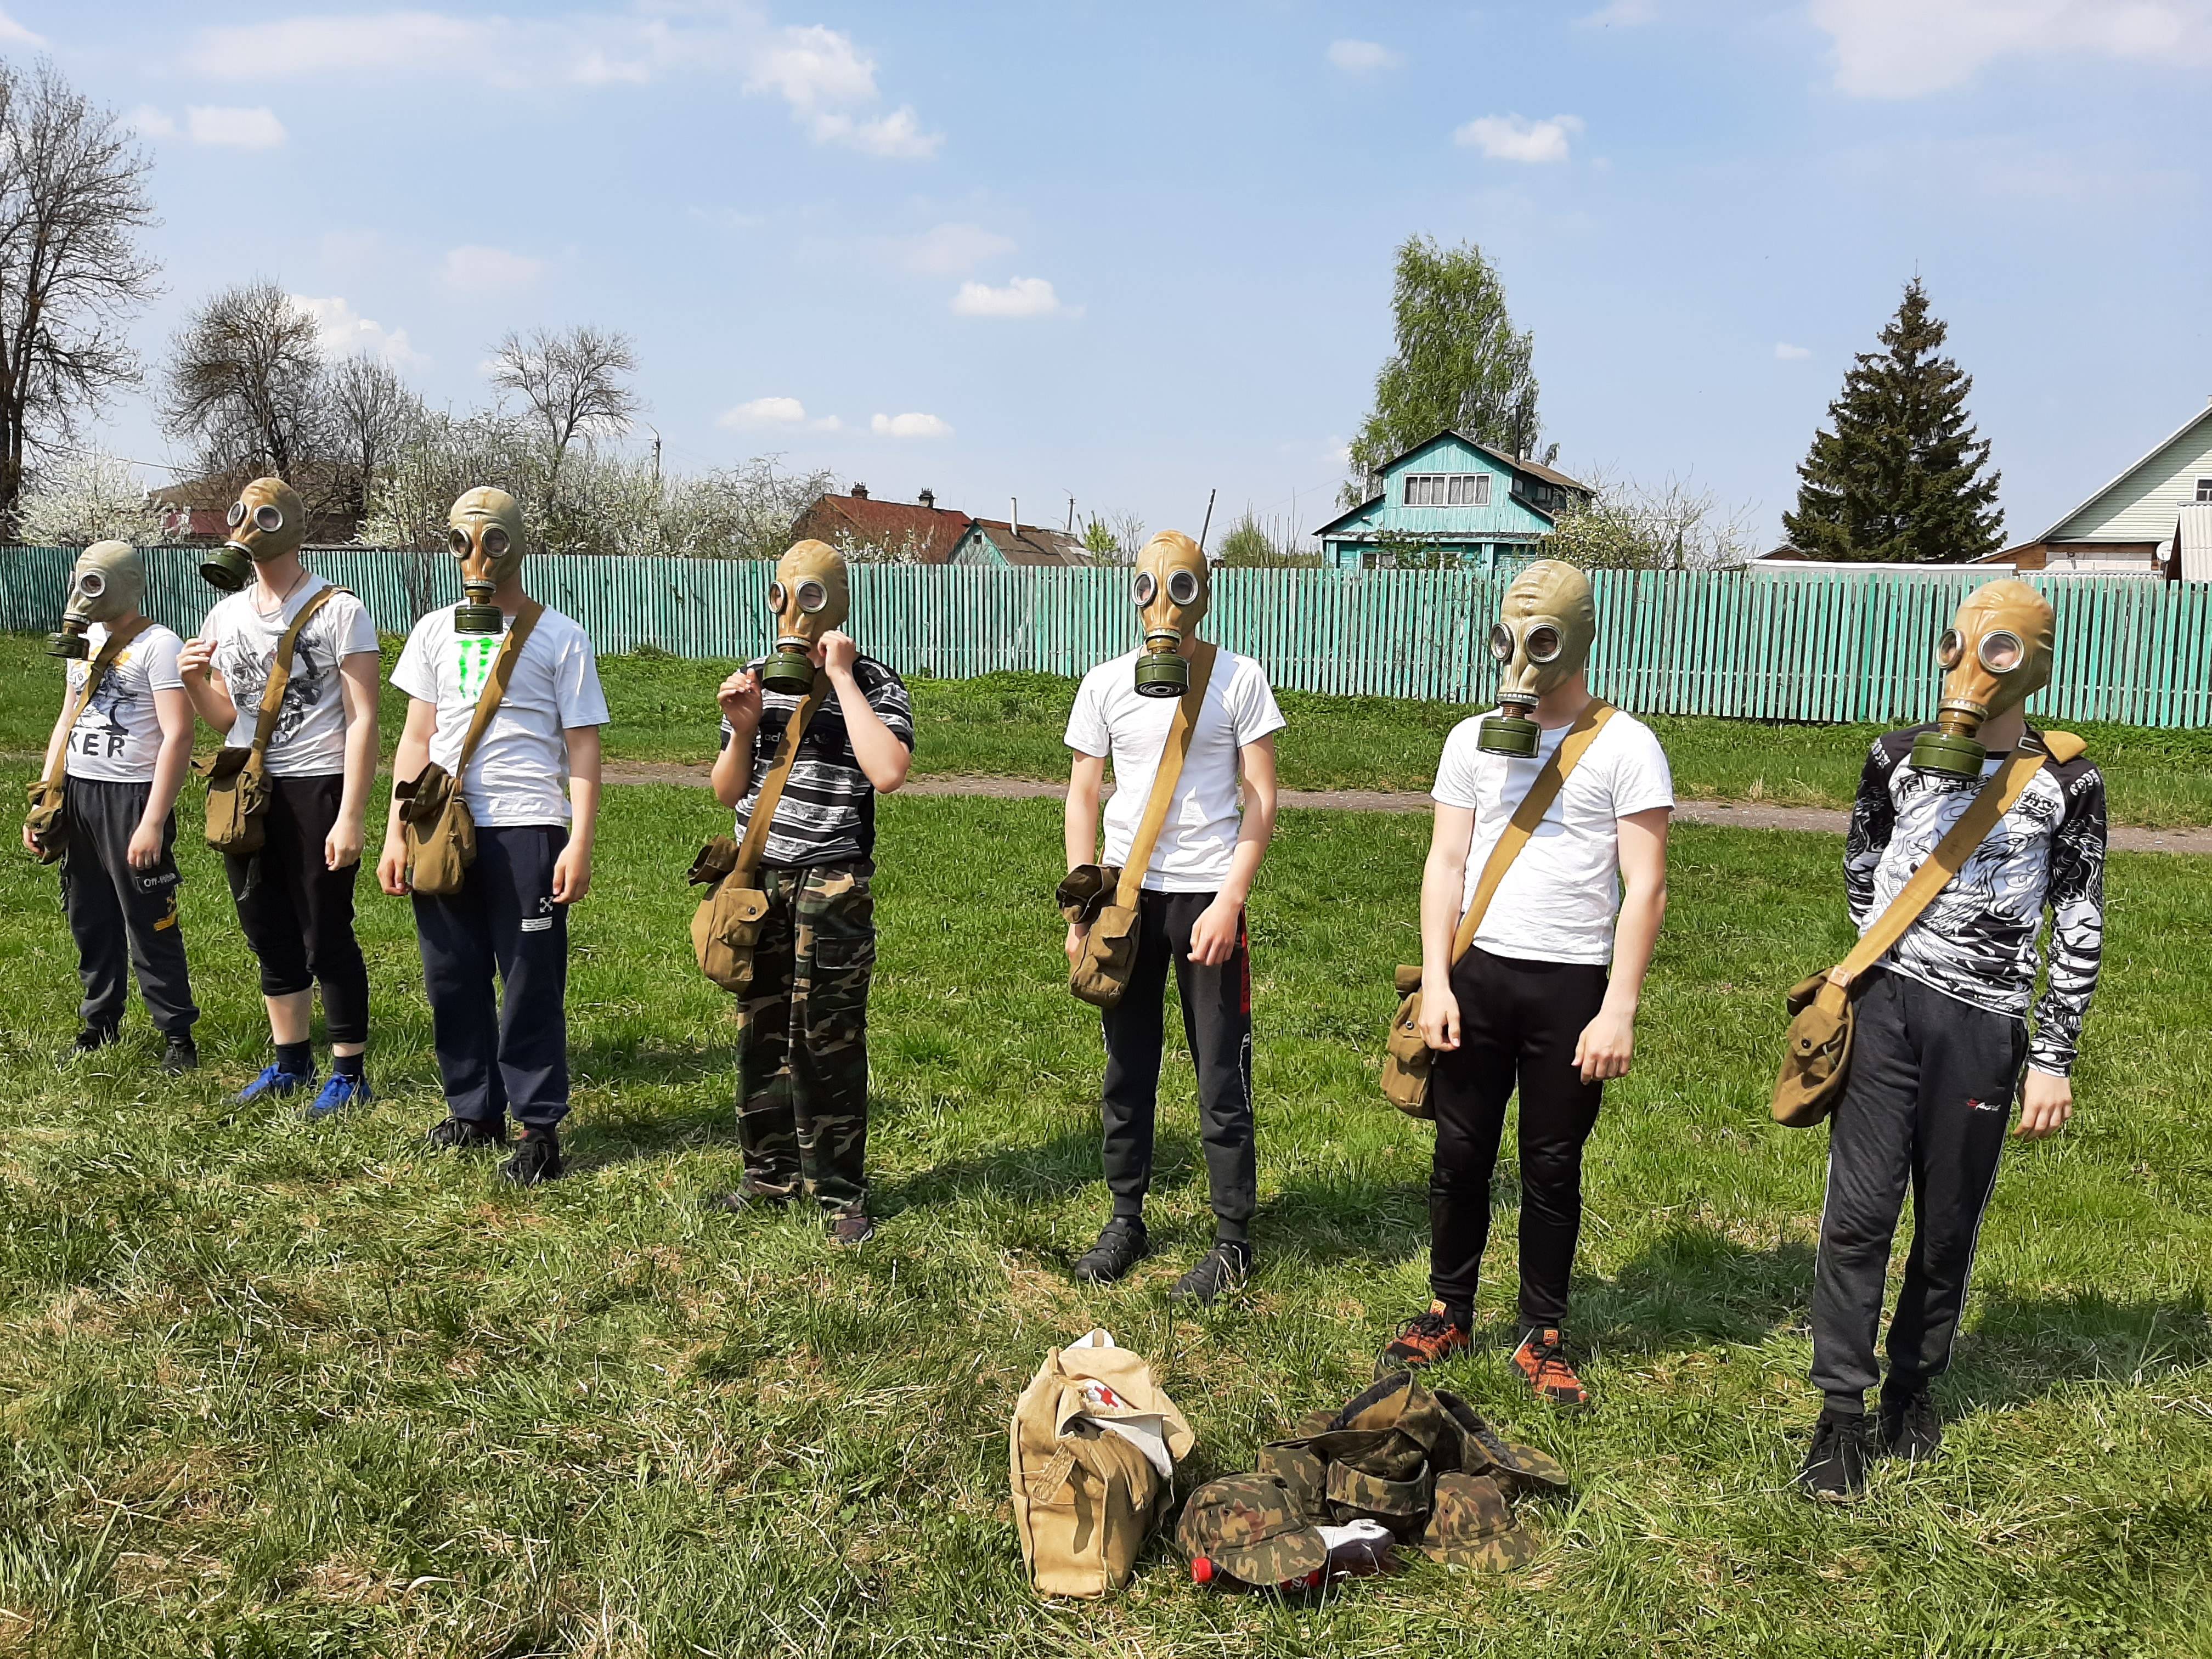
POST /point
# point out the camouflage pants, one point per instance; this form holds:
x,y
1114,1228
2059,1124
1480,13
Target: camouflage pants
x,y
803,1036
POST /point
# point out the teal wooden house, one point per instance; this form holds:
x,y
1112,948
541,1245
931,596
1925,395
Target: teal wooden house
x,y
1453,498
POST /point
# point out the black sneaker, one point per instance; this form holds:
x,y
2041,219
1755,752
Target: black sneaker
x,y
181,1054
1906,1426
465,1134
1120,1247
749,1195
91,1040
537,1158
1835,1470
1225,1268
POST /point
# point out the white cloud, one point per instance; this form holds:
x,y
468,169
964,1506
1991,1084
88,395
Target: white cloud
x,y
1786,353
1621,14
1906,48
151,123
821,75
14,34
774,412
949,250
241,129
1363,57
1517,138
286,48
342,331
909,426
474,269
1024,296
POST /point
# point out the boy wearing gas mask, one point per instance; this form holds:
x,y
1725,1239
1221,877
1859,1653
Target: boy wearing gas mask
x,y
294,896
118,757
504,1056
1943,1048
1189,907
1543,1002
802,1026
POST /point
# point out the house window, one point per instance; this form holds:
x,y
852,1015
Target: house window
x,y
1447,489
2204,489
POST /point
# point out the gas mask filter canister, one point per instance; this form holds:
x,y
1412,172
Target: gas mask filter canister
x,y
1541,641
1172,588
266,521
1995,656
107,581
812,596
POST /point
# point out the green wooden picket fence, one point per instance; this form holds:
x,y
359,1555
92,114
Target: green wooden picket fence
x,y
1762,645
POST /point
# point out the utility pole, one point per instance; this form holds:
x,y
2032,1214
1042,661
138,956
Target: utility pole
x,y
1208,525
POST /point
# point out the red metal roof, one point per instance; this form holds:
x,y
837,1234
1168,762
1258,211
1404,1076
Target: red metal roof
x,y
932,532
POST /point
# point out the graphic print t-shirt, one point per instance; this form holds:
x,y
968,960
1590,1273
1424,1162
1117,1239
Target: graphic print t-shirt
x,y
309,740
118,738
516,774
827,812
1559,900
1196,843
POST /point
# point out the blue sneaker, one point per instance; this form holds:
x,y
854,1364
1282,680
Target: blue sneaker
x,y
276,1081
339,1092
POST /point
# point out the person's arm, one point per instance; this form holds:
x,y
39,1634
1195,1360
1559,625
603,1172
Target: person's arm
x,y
1874,820
357,692
1213,935
1607,1043
205,686
55,742
172,711
408,760
740,700
881,755
1086,781
2075,954
572,871
1443,898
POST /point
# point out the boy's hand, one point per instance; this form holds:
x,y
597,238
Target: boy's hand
x,y
572,873
740,697
342,847
1077,932
193,660
391,868
837,654
1439,1018
1213,935
2047,1101
30,845
144,851
1606,1047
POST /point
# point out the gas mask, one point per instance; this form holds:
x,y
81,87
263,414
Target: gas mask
x,y
810,597
266,522
1172,588
108,582
1542,641
1996,655
485,533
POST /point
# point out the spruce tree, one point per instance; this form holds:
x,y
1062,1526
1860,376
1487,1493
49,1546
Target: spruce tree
x,y
1899,475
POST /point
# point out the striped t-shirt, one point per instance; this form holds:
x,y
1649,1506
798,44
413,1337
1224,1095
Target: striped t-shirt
x,y
827,812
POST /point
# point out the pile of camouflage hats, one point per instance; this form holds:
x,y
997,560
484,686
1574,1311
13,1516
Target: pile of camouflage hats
x,y
1420,1461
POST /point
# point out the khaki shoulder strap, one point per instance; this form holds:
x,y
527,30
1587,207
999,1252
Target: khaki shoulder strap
x,y
502,673
97,670
2063,746
1992,802
1529,814
746,870
1166,776
280,671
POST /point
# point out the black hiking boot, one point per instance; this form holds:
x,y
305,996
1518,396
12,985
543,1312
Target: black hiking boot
x,y
1906,1426
1120,1246
1225,1268
181,1054
537,1159
1835,1470
463,1134
90,1040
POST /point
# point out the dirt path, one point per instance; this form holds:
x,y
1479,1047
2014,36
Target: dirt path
x,y
1743,815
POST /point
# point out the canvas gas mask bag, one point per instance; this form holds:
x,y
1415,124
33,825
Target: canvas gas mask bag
x,y
267,521
238,779
48,794
1996,655
434,820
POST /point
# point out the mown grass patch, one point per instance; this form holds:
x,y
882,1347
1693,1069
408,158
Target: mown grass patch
x,y
275,1389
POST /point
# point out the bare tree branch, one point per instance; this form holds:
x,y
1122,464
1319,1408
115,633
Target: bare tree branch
x,y
245,382
574,382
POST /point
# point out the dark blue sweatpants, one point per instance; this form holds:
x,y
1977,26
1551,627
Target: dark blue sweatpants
x,y
509,1054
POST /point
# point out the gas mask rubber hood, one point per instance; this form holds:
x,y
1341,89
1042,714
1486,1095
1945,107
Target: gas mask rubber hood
x,y
484,531
1172,588
266,522
1545,626
812,596
107,581
1996,655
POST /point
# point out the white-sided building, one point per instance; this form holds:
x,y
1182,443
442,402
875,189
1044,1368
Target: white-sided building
x,y
2134,525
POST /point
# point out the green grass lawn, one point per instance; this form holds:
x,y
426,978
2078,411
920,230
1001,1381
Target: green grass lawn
x,y
1011,726
269,1389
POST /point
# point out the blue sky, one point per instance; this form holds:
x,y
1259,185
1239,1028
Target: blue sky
x,y
1133,252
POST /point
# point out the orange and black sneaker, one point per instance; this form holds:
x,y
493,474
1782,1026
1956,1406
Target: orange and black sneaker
x,y
1424,1340
1542,1359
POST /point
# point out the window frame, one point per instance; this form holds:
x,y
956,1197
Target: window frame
x,y
1443,482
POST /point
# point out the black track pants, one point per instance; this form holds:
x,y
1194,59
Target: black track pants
x,y
508,1052
1927,1102
296,912
1216,1024
123,918
1519,1023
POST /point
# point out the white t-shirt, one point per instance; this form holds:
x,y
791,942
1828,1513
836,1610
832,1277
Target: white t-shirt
x,y
309,741
516,776
1559,900
1109,717
118,737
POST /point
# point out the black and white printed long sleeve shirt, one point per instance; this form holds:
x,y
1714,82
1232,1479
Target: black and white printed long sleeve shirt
x,y
1977,941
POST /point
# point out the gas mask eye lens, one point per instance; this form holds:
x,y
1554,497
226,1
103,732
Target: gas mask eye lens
x,y
92,584
2001,651
459,538
269,518
494,541
1543,643
236,516
775,597
1142,589
1949,649
1501,643
812,596
1183,587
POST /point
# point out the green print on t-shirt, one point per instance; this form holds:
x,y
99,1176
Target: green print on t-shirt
x,y
473,656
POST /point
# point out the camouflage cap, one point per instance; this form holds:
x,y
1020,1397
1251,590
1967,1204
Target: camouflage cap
x,y
1250,1527
1472,1526
1402,1403
1305,1476
1483,1450
1355,1495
